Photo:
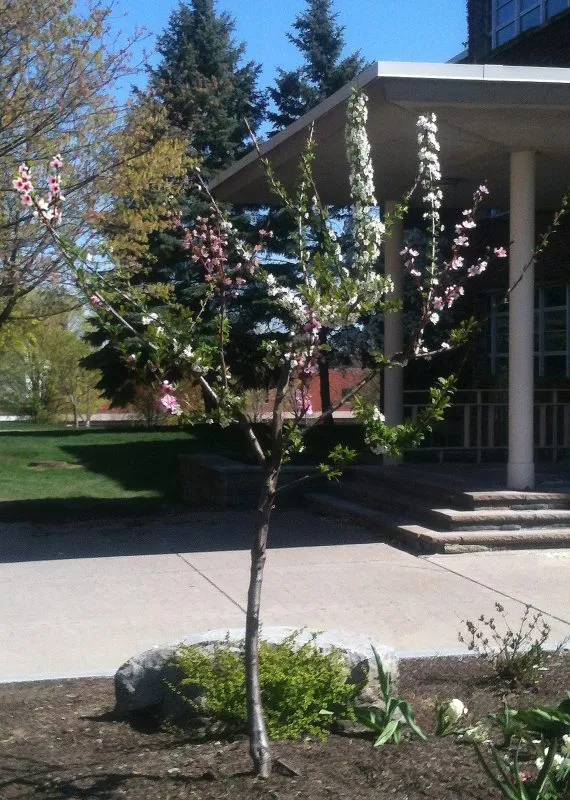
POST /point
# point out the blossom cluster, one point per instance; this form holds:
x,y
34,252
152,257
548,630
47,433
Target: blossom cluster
x,y
48,209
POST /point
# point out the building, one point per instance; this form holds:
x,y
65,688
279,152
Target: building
x,y
518,32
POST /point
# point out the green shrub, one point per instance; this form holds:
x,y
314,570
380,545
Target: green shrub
x,y
298,683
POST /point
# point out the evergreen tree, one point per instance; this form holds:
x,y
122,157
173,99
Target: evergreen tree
x,y
206,92
205,89
320,39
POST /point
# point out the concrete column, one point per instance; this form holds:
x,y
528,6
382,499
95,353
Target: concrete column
x,y
394,327
520,473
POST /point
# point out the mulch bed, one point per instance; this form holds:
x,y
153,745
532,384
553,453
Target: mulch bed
x,y
60,739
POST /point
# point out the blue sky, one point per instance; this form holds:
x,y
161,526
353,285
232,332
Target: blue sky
x,y
389,30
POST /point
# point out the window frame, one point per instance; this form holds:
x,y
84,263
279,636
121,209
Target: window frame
x,y
497,357
518,13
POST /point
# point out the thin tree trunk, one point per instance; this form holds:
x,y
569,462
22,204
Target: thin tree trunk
x,y
324,379
258,739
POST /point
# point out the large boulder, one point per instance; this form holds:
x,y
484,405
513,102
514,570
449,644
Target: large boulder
x,y
142,682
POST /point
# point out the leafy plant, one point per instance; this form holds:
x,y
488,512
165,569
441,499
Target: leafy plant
x,y
515,783
515,654
548,778
548,722
298,684
388,724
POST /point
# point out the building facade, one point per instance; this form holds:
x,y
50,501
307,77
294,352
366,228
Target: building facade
x,y
519,32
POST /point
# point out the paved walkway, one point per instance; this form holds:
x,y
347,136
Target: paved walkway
x,y
80,599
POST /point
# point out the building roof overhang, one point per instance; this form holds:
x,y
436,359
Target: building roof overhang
x,y
485,112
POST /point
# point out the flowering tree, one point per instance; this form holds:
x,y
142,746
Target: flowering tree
x,y
337,288
58,68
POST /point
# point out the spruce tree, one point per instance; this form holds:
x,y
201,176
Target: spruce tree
x,y
206,91
205,88
320,39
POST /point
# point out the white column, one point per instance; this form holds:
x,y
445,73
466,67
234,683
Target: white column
x,y
394,326
520,473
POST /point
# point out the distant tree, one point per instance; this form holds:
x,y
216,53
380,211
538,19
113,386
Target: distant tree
x,y
320,39
41,372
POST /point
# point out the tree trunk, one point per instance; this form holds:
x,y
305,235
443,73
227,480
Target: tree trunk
x,y
324,379
258,739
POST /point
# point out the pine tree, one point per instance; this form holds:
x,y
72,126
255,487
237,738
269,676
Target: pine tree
x,y
206,92
203,85
320,39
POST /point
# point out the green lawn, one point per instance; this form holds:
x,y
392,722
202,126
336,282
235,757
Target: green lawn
x,y
113,471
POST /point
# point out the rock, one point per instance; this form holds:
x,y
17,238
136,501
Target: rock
x,y
141,683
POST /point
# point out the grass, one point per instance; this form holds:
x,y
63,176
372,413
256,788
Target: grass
x,y
110,471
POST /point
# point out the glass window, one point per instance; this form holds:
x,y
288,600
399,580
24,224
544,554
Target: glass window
x,y
530,20
528,4
506,33
554,295
505,12
555,7
555,331
502,333
551,333
555,366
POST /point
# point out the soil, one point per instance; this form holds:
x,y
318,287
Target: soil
x,y
60,739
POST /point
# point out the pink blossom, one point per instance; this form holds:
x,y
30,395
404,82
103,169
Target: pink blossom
x,y
168,402
468,223
132,359
438,303
483,189
477,269
56,162
27,199
461,241
18,184
95,300
457,262
500,252
23,170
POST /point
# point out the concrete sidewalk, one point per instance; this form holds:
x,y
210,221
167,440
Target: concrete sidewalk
x,y
80,599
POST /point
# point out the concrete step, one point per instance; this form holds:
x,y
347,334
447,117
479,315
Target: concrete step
x,y
385,524
515,500
425,540
415,484
502,518
383,498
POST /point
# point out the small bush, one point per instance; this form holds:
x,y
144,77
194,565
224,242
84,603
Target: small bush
x,y
516,654
297,683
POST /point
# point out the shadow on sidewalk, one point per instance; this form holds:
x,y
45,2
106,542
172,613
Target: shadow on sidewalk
x,y
198,532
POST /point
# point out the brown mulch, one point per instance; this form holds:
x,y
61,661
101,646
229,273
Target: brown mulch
x,y
60,739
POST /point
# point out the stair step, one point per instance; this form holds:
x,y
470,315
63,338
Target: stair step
x,y
427,540
515,500
382,497
449,518
337,506
414,485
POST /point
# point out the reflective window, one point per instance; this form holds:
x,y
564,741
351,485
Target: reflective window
x,y
512,17
551,333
